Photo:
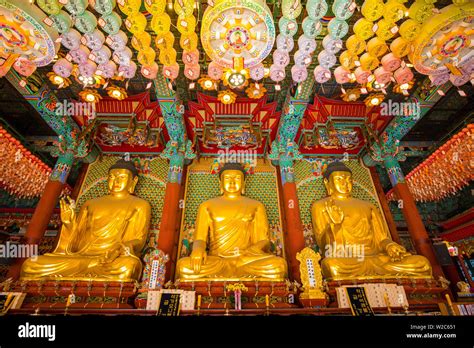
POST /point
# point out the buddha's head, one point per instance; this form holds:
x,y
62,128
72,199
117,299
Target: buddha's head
x,y
338,179
232,179
123,177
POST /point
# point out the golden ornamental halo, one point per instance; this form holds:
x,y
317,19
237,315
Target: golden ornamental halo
x,y
234,78
116,92
227,97
403,87
90,95
207,83
61,82
374,99
351,95
255,91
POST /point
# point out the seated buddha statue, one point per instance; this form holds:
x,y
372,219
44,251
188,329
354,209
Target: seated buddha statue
x,y
343,224
105,239
231,238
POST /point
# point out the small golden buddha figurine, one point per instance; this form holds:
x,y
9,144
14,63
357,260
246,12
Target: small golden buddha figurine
x,y
352,238
237,230
104,241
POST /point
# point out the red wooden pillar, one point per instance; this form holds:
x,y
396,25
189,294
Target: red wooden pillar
x,y
293,233
44,210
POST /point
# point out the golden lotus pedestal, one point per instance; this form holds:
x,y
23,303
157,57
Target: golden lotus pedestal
x,y
86,295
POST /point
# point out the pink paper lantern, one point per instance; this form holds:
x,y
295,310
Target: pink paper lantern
x,y
281,58
257,72
277,73
382,76
342,75
71,39
390,62
108,69
123,57
191,57
299,73
322,75
63,67
102,55
171,71
128,71
285,43
459,80
87,69
81,55
192,72
214,71
302,59
440,79
117,41
403,75
94,40
362,76
326,59
332,45
150,71
306,44
24,66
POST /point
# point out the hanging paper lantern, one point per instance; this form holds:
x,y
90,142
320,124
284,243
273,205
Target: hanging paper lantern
x,y
439,80
117,92
188,42
118,41
227,97
80,55
207,83
192,71
288,27
24,66
155,7
215,71
102,55
385,29
306,44
390,62
61,82
372,9
368,62
281,58
110,23
123,57
362,76
136,23
90,95
363,29
277,73
420,11
184,7
343,9
186,25
347,59
382,76
302,59
351,95
311,27
171,71
71,39
403,75
51,7
63,67
191,57
467,65
342,75
316,9
255,91
167,57
104,7
76,7
150,71
355,45
400,47
394,11
332,45
108,69
326,59
459,80
61,22
94,40
291,9
141,41
86,22
322,75
338,28
165,41
410,29
377,47
161,24
257,72
284,43
128,71
129,7
146,56
88,68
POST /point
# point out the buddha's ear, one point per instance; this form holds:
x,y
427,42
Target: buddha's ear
x,y
326,184
221,189
243,187
131,189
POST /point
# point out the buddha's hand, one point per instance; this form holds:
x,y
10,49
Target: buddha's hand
x,y
68,213
198,257
110,255
396,251
336,215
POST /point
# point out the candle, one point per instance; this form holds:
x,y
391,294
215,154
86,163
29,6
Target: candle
x,y
267,300
449,300
199,301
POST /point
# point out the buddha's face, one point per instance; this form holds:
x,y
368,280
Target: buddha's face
x,y
339,183
232,181
121,181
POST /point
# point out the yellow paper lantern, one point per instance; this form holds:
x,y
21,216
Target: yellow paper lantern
x,y
168,56
129,7
155,7
161,24
355,45
188,42
186,25
146,56
377,47
372,9
136,23
385,30
363,29
394,11
369,62
140,41
400,47
410,29
347,59
184,7
164,41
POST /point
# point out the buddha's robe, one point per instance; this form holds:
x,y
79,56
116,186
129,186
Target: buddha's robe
x,y
230,228
361,230
103,224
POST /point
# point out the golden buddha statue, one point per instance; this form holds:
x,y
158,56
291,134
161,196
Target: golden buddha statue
x,y
237,229
104,241
353,239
